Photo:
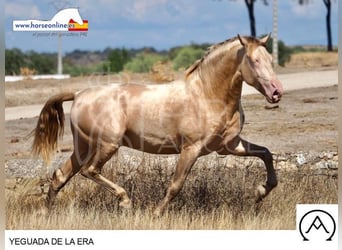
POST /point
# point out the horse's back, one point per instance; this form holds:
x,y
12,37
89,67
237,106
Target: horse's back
x,y
143,116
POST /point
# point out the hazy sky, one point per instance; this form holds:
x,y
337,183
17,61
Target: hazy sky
x,y
165,23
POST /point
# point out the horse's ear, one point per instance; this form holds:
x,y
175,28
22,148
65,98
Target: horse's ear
x,y
243,40
265,39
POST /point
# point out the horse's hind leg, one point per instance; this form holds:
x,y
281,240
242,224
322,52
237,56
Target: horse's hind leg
x,y
60,177
92,170
241,147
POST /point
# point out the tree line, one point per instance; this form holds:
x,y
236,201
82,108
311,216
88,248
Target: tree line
x,y
16,61
115,60
110,60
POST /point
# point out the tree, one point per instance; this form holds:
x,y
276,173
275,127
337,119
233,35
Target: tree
x,y
42,63
284,51
250,9
328,24
117,59
327,4
14,60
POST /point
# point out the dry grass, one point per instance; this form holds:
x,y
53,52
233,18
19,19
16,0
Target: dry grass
x,y
313,59
215,196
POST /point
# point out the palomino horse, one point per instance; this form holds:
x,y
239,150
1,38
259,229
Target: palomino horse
x,y
191,117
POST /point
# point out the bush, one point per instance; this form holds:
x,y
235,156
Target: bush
x,y
284,52
186,56
143,62
76,70
117,59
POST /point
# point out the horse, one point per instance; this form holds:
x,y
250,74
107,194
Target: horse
x,y
192,117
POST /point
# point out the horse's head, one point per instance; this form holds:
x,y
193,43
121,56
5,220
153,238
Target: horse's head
x,y
256,68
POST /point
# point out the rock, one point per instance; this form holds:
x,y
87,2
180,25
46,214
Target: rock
x,y
301,160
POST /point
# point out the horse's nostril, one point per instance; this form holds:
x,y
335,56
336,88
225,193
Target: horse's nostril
x,y
276,93
276,96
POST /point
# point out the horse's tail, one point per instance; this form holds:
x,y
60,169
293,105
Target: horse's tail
x,y
50,125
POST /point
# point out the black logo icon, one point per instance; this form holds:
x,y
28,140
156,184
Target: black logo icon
x,y
317,220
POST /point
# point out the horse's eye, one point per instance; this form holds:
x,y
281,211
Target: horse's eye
x,y
256,60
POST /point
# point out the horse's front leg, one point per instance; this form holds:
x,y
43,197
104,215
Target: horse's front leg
x,y
186,160
241,147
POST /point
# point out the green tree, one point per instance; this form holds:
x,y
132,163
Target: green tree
x,y
143,62
284,52
14,60
186,56
117,59
42,63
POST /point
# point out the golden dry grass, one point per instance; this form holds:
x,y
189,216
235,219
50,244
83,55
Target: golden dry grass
x,y
214,197
313,59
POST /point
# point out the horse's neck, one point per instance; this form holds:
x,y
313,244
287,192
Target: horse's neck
x,y
221,80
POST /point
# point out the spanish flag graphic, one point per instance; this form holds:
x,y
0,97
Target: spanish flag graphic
x,y
74,26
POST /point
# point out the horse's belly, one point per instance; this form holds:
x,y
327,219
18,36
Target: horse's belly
x,y
151,143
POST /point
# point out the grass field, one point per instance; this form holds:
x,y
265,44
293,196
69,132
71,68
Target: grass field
x,y
215,196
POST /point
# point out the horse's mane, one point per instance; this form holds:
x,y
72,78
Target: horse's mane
x,y
210,51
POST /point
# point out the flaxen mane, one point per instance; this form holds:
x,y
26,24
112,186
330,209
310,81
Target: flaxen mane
x,y
210,49
213,48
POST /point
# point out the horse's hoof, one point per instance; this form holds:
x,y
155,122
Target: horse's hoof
x,y
126,204
260,193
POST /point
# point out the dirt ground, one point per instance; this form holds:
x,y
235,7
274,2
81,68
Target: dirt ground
x,y
304,121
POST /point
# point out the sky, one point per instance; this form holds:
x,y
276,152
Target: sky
x,y
164,24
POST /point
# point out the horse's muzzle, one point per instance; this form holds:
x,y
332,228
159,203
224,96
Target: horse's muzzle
x,y
276,91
